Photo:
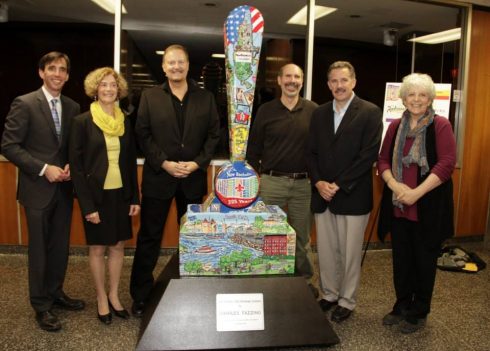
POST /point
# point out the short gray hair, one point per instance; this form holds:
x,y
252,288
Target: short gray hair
x,y
418,80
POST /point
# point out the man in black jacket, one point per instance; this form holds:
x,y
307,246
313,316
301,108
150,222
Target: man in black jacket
x,y
177,129
344,140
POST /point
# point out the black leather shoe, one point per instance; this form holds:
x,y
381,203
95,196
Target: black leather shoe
x,y
68,303
392,318
411,325
138,308
340,314
48,321
326,305
120,313
105,318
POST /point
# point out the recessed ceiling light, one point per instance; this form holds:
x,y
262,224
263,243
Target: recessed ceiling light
x,y
300,16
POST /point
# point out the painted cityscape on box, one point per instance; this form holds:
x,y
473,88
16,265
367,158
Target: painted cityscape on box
x,y
219,240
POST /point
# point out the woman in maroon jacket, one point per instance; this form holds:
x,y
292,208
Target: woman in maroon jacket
x,y
416,161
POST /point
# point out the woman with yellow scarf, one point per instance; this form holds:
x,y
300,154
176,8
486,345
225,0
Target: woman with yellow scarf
x,y
103,169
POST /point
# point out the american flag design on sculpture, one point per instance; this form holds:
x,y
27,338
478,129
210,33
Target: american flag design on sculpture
x,y
243,30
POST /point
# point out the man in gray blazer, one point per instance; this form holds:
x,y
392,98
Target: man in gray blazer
x,y
35,139
344,140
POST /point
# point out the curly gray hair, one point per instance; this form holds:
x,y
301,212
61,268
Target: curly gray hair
x,y
420,81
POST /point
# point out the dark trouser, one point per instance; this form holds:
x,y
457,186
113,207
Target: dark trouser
x,y
153,217
49,241
414,269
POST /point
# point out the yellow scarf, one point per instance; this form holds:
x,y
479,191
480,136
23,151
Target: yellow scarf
x,y
113,126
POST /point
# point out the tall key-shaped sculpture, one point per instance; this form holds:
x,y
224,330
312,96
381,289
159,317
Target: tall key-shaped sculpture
x,y
237,183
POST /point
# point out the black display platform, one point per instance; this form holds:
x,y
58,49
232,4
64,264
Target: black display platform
x,y
185,317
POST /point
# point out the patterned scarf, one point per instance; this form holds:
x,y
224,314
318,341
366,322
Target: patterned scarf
x,y
113,126
417,153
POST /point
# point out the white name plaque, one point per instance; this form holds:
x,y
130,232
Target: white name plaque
x,y
239,312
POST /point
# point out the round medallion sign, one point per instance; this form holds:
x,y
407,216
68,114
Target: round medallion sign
x,y
236,184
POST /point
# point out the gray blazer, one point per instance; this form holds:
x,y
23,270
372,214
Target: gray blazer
x,y
29,141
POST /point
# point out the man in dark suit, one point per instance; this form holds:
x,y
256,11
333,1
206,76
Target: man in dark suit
x,y
344,140
35,139
177,129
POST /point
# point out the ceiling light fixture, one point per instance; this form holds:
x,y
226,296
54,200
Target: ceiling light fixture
x,y
389,36
221,56
160,52
300,16
439,37
108,5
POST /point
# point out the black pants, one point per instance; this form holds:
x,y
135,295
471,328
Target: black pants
x,y
49,241
153,217
414,269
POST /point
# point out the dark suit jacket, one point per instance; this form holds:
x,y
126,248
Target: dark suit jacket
x,y
89,163
29,141
159,137
345,157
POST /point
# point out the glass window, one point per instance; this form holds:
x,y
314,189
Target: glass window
x,y
371,34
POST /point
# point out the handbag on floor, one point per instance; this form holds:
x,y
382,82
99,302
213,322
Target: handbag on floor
x,y
455,258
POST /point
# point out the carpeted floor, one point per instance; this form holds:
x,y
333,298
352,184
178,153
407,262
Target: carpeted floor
x,y
460,318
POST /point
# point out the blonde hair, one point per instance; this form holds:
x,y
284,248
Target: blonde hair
x,y
94,78
176,47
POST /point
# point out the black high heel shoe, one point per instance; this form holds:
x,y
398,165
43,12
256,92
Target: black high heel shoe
x,y
124,314
105,318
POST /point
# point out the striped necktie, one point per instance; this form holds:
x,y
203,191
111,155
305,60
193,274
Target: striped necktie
x,y
56,117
